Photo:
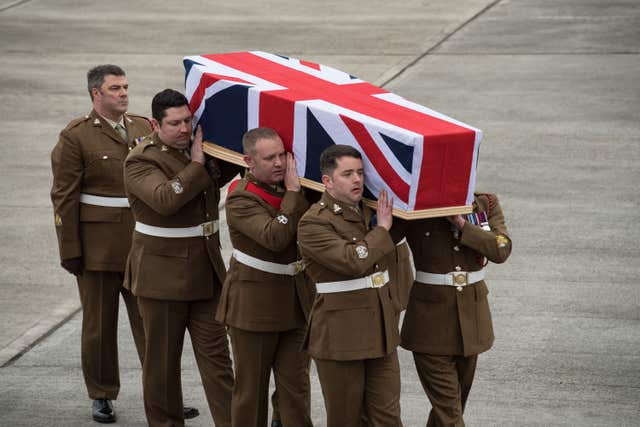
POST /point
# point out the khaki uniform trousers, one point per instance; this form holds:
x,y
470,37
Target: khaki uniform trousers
x,y
357,389
447,381
255,354
100,296
164,324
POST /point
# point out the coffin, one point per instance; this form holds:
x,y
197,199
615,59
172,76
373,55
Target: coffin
x,y
425,160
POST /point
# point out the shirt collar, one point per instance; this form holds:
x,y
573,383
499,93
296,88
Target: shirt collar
x,y
114,124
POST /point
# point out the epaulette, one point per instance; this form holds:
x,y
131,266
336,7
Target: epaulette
x,y
145,142
75,122
238,183
127,115
320,205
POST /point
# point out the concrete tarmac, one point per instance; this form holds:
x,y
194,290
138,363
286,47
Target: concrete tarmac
x,y
554,85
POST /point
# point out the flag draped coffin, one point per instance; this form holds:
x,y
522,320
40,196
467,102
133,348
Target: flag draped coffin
x,y
425,160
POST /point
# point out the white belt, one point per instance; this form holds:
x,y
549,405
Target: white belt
x,y
375,280
112,202
205,229
455,278
270,267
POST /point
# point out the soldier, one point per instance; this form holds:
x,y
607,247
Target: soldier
x,y
174,267
264,293
353,327
94,225
448,323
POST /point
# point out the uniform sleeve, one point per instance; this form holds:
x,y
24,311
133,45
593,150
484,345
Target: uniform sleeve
x,y
319,241
399,229
67,168
144,179
495,245
251,218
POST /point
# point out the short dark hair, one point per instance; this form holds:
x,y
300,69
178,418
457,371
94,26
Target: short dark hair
x,y
95,76
164,100
329,157
252,136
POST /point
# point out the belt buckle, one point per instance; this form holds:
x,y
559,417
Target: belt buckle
x,y
377,280
460,279
299,266
207,228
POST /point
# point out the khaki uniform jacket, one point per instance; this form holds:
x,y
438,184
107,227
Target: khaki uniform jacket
x,y
252,299
89,158
166,189
442,320
337,244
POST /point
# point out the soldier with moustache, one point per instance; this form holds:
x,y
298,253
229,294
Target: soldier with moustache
x,y
265,294
448,322
352,332
94,225
175,267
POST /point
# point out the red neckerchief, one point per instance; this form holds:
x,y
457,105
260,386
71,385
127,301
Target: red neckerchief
x,y
274,201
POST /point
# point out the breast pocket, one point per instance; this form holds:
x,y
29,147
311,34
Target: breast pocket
x,y
104,167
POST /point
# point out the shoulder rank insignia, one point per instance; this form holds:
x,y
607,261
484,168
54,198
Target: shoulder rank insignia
x,y
501,241
176,185
336,208
282,219
96,122
362,251
58,220
164,148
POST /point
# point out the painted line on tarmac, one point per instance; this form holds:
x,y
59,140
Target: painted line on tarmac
x,y
14,4
438,44
38,332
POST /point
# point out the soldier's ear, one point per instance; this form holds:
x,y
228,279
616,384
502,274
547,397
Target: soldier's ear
x,y
155,125
248,160
326,180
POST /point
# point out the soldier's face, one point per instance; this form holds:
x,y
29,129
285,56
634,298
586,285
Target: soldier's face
x,y
268,163
175,128
112,98
346,184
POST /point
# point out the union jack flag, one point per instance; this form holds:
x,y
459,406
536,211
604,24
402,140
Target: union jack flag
x,y
424,159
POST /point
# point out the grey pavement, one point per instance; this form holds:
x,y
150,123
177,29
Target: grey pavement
x,y
554,85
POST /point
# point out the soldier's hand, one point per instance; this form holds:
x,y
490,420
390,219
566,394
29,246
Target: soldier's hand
x,y
197,155
456,220
72,265
291,179
385,207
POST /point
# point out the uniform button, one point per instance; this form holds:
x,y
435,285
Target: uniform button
x,y
427,234
459,288
207,214
456,248
130,148
208,237
354,238
105,157
458,268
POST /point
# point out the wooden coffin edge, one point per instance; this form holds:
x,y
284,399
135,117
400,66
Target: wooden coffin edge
x,y
231,156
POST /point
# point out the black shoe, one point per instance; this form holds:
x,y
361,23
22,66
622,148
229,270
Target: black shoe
x,y
190,412
102,411
276,423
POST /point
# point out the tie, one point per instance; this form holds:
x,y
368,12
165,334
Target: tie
x,y
122,132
